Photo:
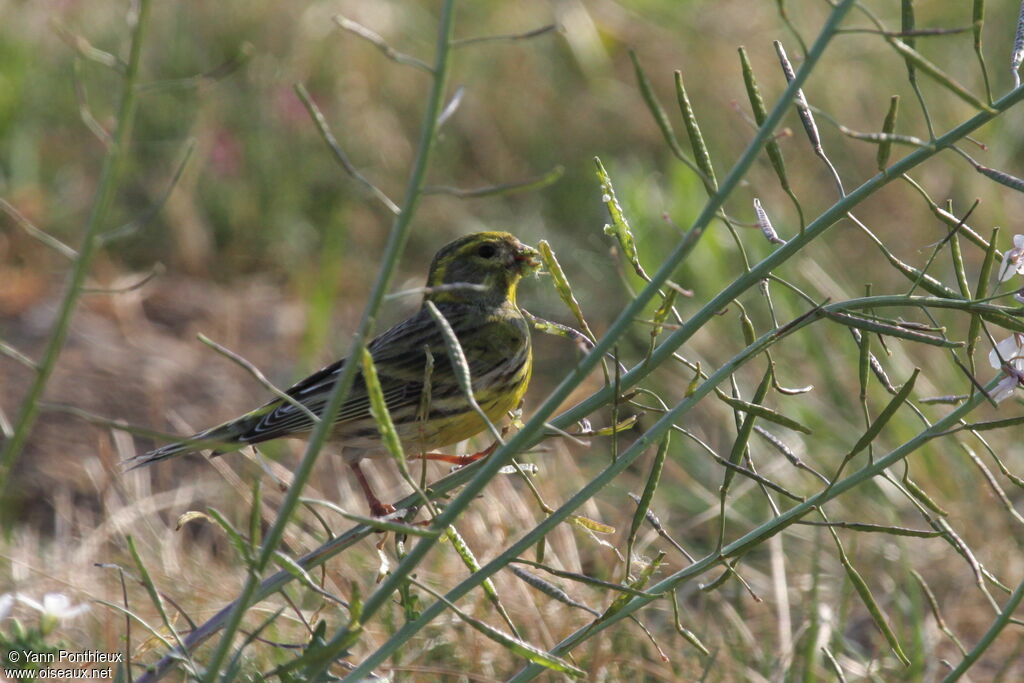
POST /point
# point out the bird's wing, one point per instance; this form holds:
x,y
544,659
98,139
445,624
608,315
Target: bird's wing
x,y
400,359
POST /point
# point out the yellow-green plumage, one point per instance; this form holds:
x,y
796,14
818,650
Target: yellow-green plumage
x,y
472,282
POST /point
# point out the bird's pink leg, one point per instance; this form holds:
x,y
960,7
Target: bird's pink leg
x,y
459,460
377,508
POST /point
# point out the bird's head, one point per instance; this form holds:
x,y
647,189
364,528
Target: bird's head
x,y
489,263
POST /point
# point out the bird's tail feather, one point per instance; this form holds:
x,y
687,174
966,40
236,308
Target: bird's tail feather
x,y
222,439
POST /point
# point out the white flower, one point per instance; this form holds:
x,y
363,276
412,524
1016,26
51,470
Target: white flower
x,y
1008,356
1010,350
55,608
1013,260
1004,390
6,602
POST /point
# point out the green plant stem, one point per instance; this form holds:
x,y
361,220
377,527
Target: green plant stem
x,y
396,243
696,322
1001,621
501,457
647,440
764,531
637,374
814,230
110,175
268,587
272,584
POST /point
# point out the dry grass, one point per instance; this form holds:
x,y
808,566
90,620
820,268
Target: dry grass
x,y
270,250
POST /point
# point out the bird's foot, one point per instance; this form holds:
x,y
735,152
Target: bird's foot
x,y
379,509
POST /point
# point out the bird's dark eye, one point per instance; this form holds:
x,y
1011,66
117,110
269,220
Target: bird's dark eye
x,y
487,251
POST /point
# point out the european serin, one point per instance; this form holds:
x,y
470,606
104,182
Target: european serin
x,y
472,282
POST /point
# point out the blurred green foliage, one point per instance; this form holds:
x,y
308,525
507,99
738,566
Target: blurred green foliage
x,y
263,197
263,193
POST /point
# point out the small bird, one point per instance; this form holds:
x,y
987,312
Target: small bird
x,y
472,282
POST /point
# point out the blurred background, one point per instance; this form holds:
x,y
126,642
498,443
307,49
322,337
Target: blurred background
x,y
268,247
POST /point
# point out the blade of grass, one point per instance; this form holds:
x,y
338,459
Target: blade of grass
x,y
110,177
396,243
1001,621
740,546
482,472
511,643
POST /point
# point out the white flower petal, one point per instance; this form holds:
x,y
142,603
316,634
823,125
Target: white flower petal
x,y
1016,255
77,610
1009,350
1013,259
25,600
1004,389
58,605
1015,350
1006,268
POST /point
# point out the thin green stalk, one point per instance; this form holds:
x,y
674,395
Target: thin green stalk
x,y
782,254
664,351
591,488
1001,622
396,243
696,322
269,587
647,440
603,396
274,583
978,15
110,175
521,440
907,24
775,525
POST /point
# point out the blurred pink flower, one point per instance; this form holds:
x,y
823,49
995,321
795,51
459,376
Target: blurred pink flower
x,y
226,153
289,107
